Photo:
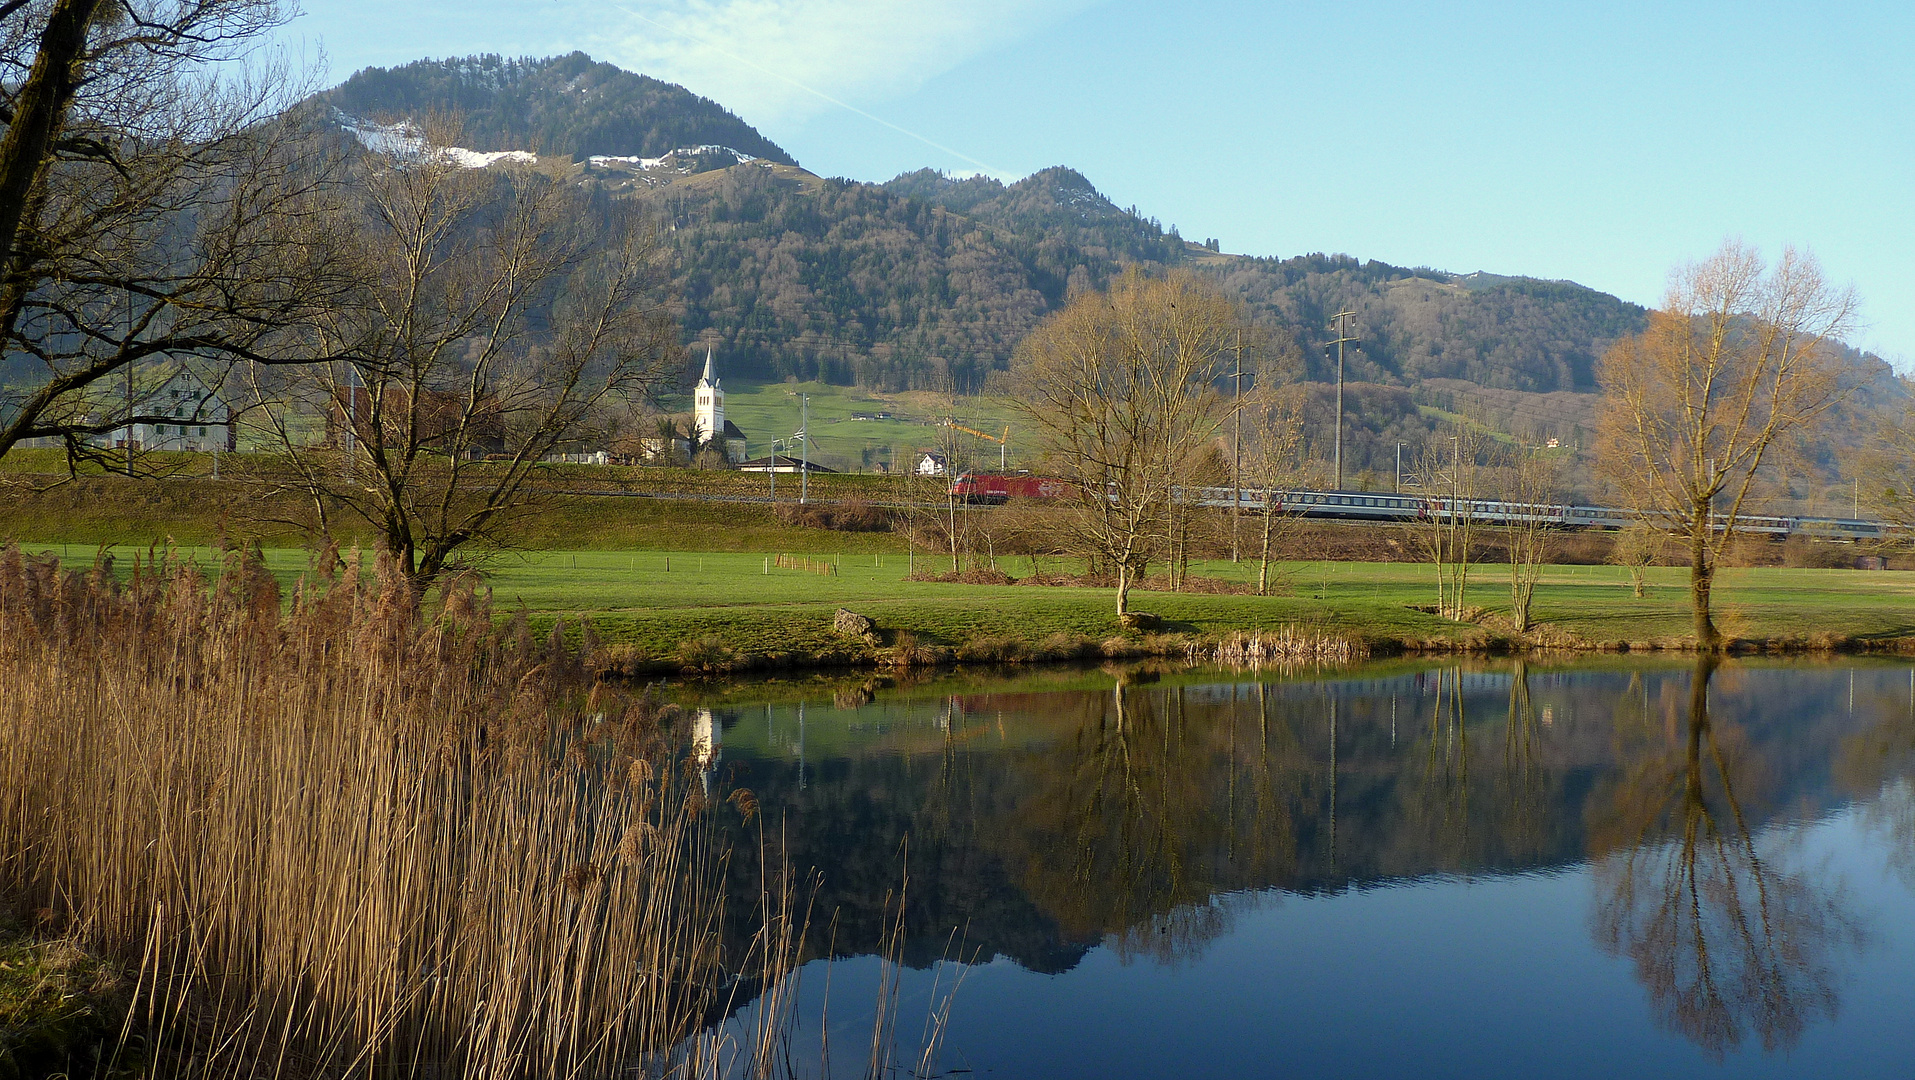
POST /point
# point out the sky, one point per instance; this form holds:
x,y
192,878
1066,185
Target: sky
x,y
1600,143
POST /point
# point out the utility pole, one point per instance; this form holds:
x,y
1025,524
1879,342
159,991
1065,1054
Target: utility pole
x,y
1341,324
1399,468
130,332
804,434
352,422
129,414
1236,452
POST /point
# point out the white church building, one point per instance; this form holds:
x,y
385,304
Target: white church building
x,y
709,426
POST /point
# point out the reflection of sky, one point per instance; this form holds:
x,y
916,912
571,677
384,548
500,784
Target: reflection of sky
x,y
1440,978
1458,925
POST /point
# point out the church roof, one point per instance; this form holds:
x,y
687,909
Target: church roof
x,y
710,378
732,432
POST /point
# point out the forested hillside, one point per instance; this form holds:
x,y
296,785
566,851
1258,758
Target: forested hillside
x,y
568,105
925,281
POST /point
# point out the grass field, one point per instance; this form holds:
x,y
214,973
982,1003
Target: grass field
x,y
764,411
657,600
600,549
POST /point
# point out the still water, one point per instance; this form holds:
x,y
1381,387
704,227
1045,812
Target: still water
x,y
1476,870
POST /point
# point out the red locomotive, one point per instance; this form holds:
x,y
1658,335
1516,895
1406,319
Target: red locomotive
x,y
995,489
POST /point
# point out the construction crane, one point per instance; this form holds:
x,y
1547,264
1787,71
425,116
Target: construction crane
x,y
1003,441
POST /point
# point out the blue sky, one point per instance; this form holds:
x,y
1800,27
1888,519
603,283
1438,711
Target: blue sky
x,y
1602,143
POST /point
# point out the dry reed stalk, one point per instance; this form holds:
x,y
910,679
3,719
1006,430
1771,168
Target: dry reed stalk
x,y
346,837
1289,645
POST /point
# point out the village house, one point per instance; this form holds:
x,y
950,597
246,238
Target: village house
x,y
196,418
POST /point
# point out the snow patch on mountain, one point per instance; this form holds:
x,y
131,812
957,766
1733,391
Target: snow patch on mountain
x,y
603,160
405,140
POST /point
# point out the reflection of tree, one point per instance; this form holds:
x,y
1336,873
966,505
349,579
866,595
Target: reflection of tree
x,y
1726,942
1153,806
1446,767
1523,779
1877,763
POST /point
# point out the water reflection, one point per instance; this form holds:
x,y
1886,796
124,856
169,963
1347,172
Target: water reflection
x,y
1726,941
1146,816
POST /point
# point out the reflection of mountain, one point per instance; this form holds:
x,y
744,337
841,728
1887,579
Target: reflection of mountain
x,y
1045,824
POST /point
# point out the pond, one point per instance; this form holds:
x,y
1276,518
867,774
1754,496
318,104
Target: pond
x,y
1471,870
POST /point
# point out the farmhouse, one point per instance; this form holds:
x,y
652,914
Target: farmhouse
x,y
195,417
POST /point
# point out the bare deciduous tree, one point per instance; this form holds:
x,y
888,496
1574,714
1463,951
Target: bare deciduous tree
x,y
500,319
1702,403
1272,460
1450,475
155,204
1636,547
1888,466
1119,387
933,509
1532,488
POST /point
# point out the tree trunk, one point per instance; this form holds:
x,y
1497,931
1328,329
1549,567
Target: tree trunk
x,y
1521,548
1263,571
1123,587
1702,574
1635,579
1183,552
39,112
952,503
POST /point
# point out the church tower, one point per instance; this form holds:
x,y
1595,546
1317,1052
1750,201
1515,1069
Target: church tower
x,y
708,407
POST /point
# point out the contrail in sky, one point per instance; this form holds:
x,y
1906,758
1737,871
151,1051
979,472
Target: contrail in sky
x,y
821,95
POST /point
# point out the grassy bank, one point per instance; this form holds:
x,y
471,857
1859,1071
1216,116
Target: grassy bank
x,y
737,602
658,509
672,568
62,1010
723,609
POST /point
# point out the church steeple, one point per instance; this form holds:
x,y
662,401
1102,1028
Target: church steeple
x,y
708,402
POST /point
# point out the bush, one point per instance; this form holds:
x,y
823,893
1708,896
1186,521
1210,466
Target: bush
x,y
706,653
847,515
995,648
1802,551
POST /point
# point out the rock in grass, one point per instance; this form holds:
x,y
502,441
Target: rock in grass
x,y
1141,621
851,624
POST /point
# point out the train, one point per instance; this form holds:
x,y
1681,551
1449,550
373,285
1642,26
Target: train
x,y
997,489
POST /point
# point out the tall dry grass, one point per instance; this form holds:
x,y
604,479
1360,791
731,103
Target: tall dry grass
x,y
1286,645
343,836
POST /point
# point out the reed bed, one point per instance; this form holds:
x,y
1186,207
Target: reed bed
x,y
343,836
1288,645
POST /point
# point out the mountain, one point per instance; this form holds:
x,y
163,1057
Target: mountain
x,y
566,105
926,279
931,280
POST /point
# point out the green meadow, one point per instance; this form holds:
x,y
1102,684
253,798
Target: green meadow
x,y
848,431
656,601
